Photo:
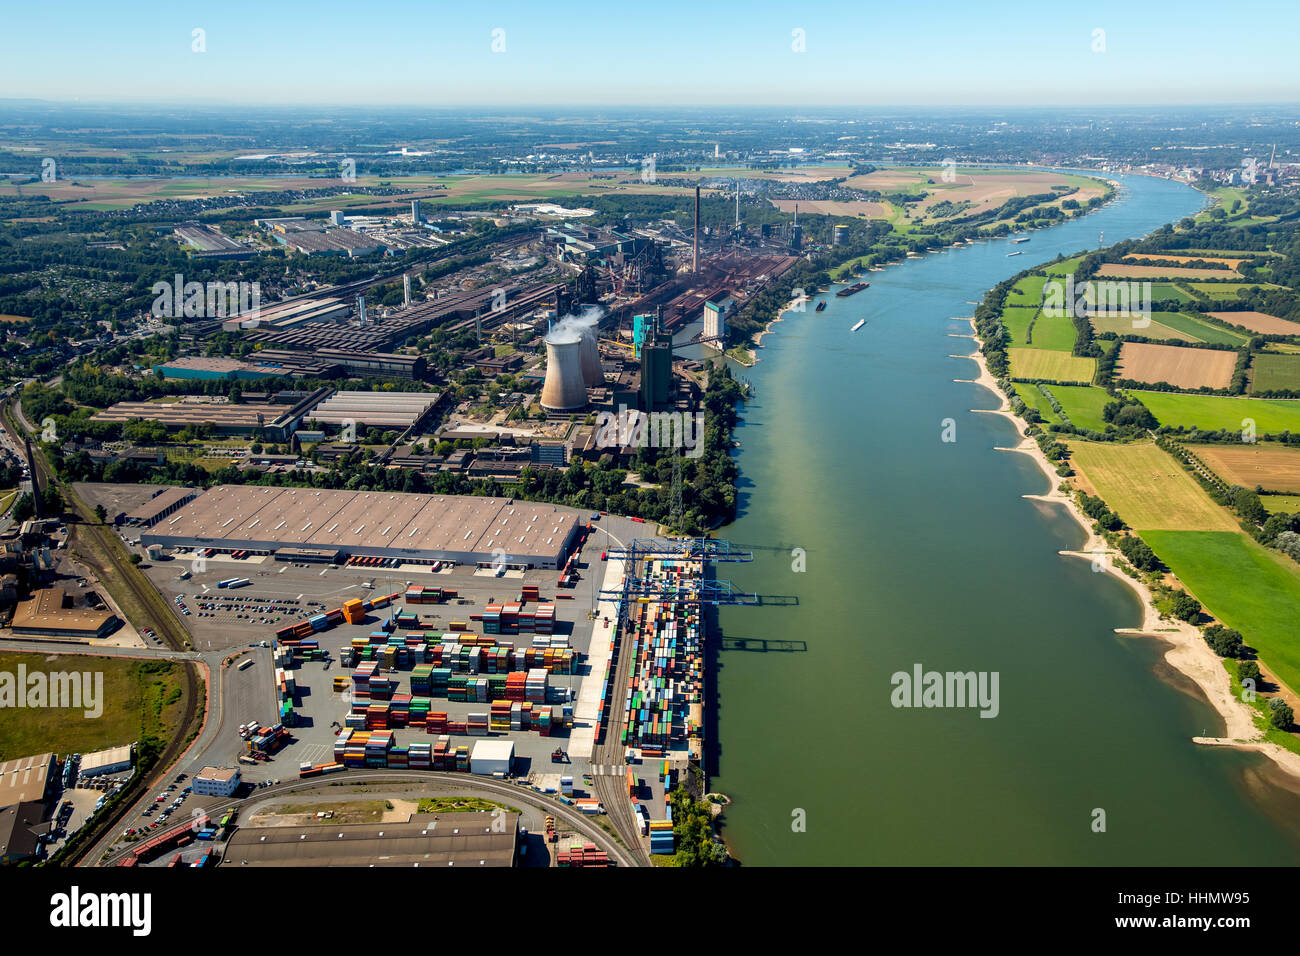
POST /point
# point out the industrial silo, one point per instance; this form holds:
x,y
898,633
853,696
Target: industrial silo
x,y
564,389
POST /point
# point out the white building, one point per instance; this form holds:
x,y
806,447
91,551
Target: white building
x,y
492,756
113,760
336,217
216,781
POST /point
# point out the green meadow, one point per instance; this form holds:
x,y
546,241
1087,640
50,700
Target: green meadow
x,y
1213,565
1212,412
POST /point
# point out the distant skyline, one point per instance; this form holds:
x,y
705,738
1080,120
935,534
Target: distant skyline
x,y
1014,53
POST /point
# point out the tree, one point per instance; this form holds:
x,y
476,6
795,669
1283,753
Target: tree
x,y
101,514
1280,714
1224,641
1185,607
1248,670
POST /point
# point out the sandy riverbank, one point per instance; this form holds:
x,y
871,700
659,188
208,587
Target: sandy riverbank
x,y
1188,653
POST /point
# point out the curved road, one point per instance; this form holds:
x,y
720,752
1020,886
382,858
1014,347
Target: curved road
x,y
461,783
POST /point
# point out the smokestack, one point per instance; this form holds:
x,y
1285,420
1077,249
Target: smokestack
x,y
361,309
695,256
36,485
564,388
406,290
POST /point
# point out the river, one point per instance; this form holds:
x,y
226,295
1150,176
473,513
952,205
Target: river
x,y
923,551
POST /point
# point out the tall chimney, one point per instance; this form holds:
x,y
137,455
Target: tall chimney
x,y
695,256
36,485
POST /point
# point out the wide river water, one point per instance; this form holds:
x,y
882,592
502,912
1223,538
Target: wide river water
x,y
923,551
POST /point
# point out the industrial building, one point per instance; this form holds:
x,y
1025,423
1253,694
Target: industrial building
x,y
381,409
162,504
289,313
216,781
336,242
208,242
21,828
276,424
419,528
715,319
50,613
101,762
456,840
27,779
204,368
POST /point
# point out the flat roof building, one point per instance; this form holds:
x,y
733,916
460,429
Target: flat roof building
x,y
27,779
50,613
113,760
21,828
216,781
162,504
421,528
474,839
387,409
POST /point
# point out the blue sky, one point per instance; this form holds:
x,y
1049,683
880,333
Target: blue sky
x,y
673,53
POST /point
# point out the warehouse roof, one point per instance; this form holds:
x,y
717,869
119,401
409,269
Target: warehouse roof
x,y
47,612
453,839
159,503
24,778
106,758
328,518
21,828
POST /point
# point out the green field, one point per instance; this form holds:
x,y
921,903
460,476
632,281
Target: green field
x,y
1212,412
1214,564
1269,372
137,701
1221,290
1066,267
1016,320
1036,399
1167,290
1083,403
1028,291
1055,332
1047,364
1198,328
1281,504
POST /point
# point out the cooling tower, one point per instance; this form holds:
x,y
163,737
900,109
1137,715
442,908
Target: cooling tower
x,y
564,388
589,355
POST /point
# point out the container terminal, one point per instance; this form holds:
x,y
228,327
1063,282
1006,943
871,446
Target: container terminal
x,y
579,674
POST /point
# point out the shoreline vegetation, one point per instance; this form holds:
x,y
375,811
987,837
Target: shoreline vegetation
x,y
1188,653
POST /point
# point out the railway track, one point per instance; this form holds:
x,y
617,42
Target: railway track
x,y
120,570
611,790
459,782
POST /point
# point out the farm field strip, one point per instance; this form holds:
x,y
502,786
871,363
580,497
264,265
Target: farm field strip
x,y
1269,373
1049,364
1268,465
1258,322
1146,487
1213,412
1112,270
1179,366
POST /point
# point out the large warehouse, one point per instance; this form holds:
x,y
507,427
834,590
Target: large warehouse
x,y
420,529
381,409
